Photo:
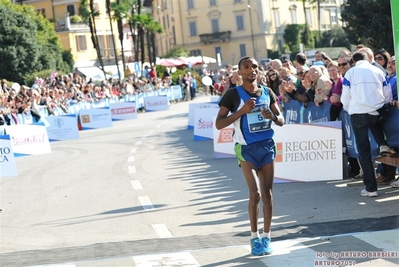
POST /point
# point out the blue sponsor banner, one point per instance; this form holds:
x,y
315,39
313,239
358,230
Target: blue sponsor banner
x,y
293,112
176,92
315,114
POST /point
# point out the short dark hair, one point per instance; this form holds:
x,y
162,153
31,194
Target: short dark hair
x,y
241,60
360,55
301,58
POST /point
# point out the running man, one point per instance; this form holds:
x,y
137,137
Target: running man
x,y
253,109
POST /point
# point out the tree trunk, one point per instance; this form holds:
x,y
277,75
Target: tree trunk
x,y
92,22
108,3
154,48
149,47
142,44
120,31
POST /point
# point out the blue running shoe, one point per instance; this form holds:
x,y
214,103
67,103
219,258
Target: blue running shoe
x,y
257,248
266,245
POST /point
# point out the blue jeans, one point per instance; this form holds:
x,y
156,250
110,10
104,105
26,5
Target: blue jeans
x,y
361,124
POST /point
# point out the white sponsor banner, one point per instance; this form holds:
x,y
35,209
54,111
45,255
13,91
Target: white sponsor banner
x,y
223,143
154,103
191,111
28,139
8,167
309,152
203,123
62,127
95,118
123,111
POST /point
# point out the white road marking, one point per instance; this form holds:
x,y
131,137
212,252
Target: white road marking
x,y
137,143
130,159
133,150
132,169
136,185
146,203
170,259
162,231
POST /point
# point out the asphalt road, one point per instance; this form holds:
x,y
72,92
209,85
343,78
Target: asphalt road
x,y
144,188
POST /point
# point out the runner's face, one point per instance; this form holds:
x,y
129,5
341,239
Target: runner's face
x,y
249,70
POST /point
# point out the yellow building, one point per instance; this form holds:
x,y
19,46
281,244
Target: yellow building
x,y
75,35
231,29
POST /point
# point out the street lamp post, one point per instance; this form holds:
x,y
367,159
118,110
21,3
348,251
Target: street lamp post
x,y
262,28
252,30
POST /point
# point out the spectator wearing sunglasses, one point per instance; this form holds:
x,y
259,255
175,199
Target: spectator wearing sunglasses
x,y
343,64
382,57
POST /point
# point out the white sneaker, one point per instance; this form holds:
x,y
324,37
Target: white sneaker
x,y
365,193
387,151
395,184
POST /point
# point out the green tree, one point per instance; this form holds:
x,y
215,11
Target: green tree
x,y
369,22
336,37
28,42
121,11
292,36
177,52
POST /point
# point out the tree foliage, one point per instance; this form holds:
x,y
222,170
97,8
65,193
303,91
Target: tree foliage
x,y
292,36
336,37
177,52
28,43
369,22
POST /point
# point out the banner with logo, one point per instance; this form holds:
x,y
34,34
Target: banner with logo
x,y
191,111
203,123
28,139
62,127
293,112
155,103
223,143
315,114
95,118
306,151
123,111
8,167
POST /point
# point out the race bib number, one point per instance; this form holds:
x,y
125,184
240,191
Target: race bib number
x,y
256,122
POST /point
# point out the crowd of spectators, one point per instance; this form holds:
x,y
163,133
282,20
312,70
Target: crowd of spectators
x,y
62,91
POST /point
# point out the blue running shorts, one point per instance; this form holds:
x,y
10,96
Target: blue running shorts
x,y
259,153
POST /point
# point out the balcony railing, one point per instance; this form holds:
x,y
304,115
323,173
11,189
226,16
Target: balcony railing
x,y
61,25
208,38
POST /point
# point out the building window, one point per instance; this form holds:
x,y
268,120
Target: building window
x,y
193,28
277,18
333,16
243,51
218,50
215,25
101,44
81,43
190,4
309,16
293,16
194,53
237,1
71,10
110,46
212,2
240,22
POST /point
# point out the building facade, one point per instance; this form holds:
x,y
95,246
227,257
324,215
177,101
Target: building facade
x,y
230,29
